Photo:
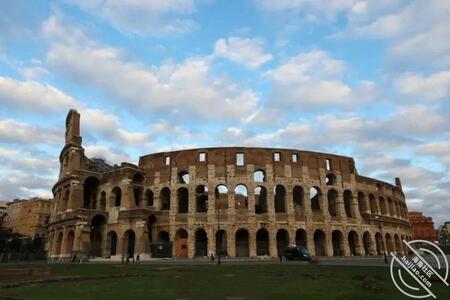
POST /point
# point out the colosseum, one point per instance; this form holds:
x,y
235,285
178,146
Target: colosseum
x,y
230,201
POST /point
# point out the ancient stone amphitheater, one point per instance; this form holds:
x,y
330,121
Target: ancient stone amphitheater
x,y
233,201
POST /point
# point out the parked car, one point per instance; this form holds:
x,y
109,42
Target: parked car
x,y
297,252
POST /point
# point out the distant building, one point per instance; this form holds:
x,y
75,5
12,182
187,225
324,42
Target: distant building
x,y
28,217
3,212
422,227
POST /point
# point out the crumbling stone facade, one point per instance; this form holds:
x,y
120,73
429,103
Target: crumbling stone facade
x,y
239,201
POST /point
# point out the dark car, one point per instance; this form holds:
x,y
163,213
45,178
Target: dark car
x,y
297,252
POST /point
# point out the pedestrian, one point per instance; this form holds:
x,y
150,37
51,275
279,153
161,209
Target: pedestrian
x,y
212,258
128,260
138,258
123,259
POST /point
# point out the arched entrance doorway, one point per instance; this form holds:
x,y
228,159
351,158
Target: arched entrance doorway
x,y
242,243
367,243
59,241
112,243
353,243
69,243
379,243
319,243
181,245
262,242
201,243
97,227
282,241
221,242
129,240
337,239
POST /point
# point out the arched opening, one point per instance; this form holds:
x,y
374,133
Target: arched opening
x,y
259,176
379,243
90,191
183,177
300,238
319,243
164,197
298,198
373,204
383,207
348,200
280,199
221,194
69,242
112,242
129,240
330,179
315,196
102,204
201,194
282,241
137,193
151,227
59,241
242,243
163,236
117,194
64,201
353,243
201,243
332,200
337,240
389,244
183,200
391,207
362,203
221,242
367,243
262,242
149,198
398,244
181,244
96,236
260,200
240,196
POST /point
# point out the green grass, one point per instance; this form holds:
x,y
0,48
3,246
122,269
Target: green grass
x,y
260,281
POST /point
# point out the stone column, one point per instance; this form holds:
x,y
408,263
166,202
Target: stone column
x,y
252,242
211,234
310,241
345,245
307,206
329,243
76,195
128,195
231,241
273,251
191,243
340,207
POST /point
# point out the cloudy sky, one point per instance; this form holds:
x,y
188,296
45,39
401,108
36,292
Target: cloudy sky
x,y
367,79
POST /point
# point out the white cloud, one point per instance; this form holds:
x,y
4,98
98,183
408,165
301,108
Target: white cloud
x,y
440,150
142,17
32,96
109,155
12,131
436,86
185,90
246,51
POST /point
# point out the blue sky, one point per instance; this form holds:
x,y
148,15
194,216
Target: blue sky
x,y
367,79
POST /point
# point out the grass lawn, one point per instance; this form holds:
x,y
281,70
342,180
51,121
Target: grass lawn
x,y
234,282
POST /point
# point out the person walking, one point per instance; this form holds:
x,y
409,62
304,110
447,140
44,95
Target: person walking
x,y
138,258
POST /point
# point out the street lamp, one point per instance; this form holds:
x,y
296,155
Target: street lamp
x,y
377,217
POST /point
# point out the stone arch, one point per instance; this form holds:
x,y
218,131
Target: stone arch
x,y
59,241
383,207
90,190
332,202
353,243
112,243
315,196
98,223
201,197
181,243
389,243
300,238
367,243
348,201
117,194
391,207
221,242
129,241
337,240
262,242
102,204
330,179
282,241
183,177
379,243
201,243
398,244
221,194
137,194
68,247
241,240
151,227
280,199
362,203
64,201
164,196
183,200
260,200
373,204
240,196
259,176
320,243
298,196
149,197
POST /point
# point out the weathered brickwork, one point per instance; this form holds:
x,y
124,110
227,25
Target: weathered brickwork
x,y
238,201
